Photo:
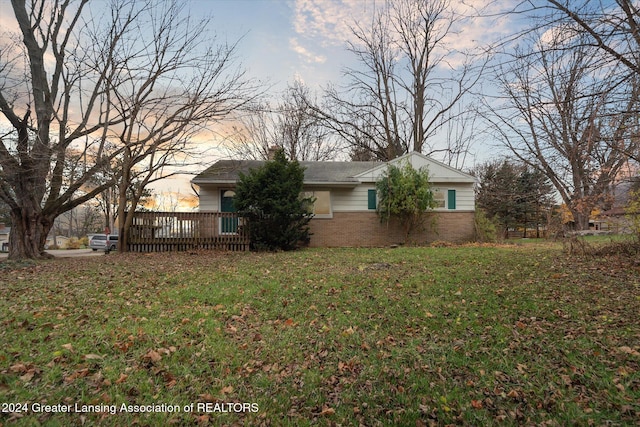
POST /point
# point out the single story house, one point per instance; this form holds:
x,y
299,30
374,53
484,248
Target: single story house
x,y
59,241
345,206
4,237
617,219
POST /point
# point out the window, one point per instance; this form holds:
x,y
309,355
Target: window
x,y
322,205
442,202
438,198
371,201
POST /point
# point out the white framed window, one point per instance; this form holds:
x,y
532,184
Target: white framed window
x,y
439,198
445,198
321,207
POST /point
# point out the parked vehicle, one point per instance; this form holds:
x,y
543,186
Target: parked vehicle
x,y
111,243
105,242
98,241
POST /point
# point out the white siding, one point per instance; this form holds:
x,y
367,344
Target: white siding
x,y
465,196
351,199
356,199
209,199
438,172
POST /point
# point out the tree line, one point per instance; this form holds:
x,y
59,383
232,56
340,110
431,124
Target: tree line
x,y
110,97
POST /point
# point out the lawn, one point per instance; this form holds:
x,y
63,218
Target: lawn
x,y
465,335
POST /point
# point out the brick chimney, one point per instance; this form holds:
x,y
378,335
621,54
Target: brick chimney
x,y
271,152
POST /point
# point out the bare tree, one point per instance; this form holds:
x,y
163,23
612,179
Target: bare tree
x,y
565,109
611,27
291,125
299,131
51,109
253,135
179,84
406,87
130,83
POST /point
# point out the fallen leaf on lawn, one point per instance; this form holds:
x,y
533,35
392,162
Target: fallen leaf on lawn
x,y
123,378
202,419
227,390
81,373
152,356
513,394
92,356
477,404
67,346
123,346
208,398
628,350
168,377
27,377
18,368
327,411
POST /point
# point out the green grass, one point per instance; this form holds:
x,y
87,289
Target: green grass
x,y
472,335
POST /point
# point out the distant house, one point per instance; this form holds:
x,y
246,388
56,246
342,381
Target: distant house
x,y
60,242
616,219
4,237
346,199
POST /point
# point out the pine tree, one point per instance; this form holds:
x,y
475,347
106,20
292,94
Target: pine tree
x,y
269,198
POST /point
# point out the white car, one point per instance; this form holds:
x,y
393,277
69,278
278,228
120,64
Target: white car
x,y
98,241
105,242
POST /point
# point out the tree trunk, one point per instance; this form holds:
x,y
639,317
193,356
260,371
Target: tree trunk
x,y
581,220
29,230
122,218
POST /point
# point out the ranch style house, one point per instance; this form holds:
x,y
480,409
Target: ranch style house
x,y
345,206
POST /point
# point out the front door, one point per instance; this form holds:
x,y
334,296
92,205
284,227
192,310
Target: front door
x,y
228,225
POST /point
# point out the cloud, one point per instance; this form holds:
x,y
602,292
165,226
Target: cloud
x,y
329,22
308,56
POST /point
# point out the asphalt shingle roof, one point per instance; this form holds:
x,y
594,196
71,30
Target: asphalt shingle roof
x,y
315,172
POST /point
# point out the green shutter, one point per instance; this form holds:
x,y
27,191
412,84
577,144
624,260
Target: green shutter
x,y
451,203
372,199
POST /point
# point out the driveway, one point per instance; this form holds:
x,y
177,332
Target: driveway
x,y
67,253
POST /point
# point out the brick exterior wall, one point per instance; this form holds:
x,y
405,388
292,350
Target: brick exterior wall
x,y
365,229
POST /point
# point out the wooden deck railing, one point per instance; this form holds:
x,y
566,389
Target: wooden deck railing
x,y
179,231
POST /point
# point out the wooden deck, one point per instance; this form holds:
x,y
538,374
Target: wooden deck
x,y
181,231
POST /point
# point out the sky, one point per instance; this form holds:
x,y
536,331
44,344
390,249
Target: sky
x,y
285,40
282,41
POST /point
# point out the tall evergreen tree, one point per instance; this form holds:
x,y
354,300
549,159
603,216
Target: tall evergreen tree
x,y
513,195
269,198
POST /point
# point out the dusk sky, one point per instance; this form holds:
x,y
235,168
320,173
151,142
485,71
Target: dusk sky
x,y
281,41
306,39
